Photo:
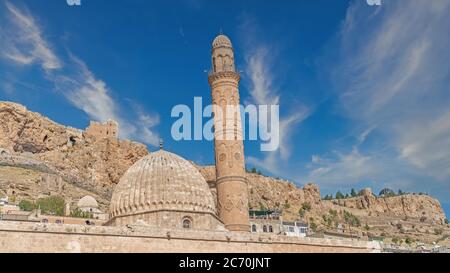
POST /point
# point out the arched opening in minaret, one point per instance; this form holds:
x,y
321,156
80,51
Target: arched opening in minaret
x,y
187,223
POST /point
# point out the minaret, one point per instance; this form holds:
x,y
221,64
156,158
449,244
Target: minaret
x,y
232,192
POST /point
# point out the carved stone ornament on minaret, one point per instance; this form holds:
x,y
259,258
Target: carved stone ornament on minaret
x,y
232,189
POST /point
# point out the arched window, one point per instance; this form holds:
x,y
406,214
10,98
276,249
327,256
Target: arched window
x,y
253,228
264,228
270,229
187,222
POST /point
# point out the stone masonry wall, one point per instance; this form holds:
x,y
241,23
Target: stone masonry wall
x,y
31,237
108,129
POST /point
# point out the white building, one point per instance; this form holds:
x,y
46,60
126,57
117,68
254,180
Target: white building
x,y
294,229
265,221
4,201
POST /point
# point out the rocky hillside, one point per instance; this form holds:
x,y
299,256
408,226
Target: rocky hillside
x,y
406,217
39,157
34,141
99,162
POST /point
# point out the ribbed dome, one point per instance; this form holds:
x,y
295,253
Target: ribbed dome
x,y
87,202
161,181
222,40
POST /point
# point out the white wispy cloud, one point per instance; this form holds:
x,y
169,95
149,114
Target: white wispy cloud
x,y
76,82
24,43
88,93
393,78
345,169
264,92
274,162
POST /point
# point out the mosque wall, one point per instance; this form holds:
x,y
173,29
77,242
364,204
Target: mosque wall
x,y
31,237
171,219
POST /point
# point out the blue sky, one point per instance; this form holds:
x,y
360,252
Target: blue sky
x,y
363,90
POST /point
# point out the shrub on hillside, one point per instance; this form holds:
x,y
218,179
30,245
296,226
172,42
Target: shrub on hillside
x,y
286,204
306,206
409,240
438,231
313,226
333,213
351,219
301,213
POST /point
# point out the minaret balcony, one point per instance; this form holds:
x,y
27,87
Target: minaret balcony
x,y
225,72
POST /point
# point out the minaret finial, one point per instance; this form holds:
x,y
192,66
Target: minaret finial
x,y
161,143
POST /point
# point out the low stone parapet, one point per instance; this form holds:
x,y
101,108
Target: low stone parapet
x,y
38,237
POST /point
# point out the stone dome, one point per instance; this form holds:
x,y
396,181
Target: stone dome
x,y
87,202
222,40
161,181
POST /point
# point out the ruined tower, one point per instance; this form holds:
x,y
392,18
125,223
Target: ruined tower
x,y
232,193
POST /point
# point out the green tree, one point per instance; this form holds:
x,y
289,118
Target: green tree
x,y
328,197
53,205
400,192
26,205
387,192
353,193
339,195
81,214
253,170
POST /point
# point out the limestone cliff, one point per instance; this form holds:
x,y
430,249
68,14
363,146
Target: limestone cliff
x,y
406,206
268,192
87,162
